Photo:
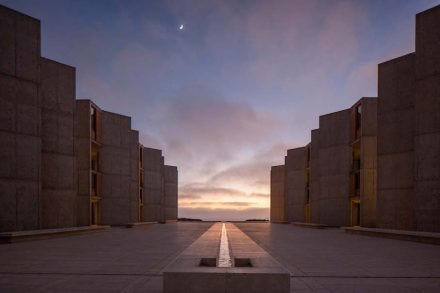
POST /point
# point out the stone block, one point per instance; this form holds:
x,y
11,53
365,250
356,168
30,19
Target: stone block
x,y
296,159
58,208
427,105
27,93
28,119
111,185
82,119
28,157
152,213
427,157
8,159
427,42
82,150
7,115
334,186
28,207
7,41
49,171
48,88
395,171
153,196
395,209
66,88
83,182
65,134
49,131
83,210
152,159
152,179
8,205
334,211
27,47
369,116
369,152
334,129
396,84
335,160
427,196
395,132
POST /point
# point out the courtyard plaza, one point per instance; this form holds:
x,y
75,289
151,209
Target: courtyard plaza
x,y
132,260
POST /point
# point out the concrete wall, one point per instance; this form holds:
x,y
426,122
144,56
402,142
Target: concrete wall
x,y
277,196
134,176
171,191
153,185
20,121
82,151
295,184
334,168
395,143
315,175
368,140
427,122
57,96
117,172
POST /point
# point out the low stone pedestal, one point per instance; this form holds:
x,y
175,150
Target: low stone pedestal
x,y
252,270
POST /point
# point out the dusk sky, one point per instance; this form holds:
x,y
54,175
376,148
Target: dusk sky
x,y
228,94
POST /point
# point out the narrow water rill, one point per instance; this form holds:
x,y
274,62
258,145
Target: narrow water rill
x,y
224,257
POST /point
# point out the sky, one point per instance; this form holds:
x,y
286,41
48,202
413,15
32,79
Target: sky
x,y
228,94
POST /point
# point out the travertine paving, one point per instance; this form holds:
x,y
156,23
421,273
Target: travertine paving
x,y
121,260
131,260
329,260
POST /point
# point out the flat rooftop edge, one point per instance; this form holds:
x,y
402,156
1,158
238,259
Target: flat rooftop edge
x,y
17,236
416,236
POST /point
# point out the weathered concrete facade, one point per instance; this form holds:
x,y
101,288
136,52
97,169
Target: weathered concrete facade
x,y
88,140
363,176
20,121
57,96
377,164
65,162
297,194
334,168
277,194
408,133
119,167
153,202
37,121
170,192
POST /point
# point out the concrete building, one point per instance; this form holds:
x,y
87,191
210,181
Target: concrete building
x,y
111,167
408,143
119,166
37,178
363,175
297,183
332,180
58,176
277,195
377,164
314,176
170,192
334,157
67,163
154,185
88,140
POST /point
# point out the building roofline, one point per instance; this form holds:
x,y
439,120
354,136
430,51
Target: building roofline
x,y
57,62
19,12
